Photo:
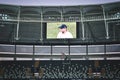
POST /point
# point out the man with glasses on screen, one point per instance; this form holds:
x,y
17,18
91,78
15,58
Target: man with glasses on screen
x,y
64,33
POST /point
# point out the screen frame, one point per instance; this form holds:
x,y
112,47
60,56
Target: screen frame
x,y
45,32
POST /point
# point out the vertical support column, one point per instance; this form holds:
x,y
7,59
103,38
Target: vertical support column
x,y
105,52
69,52
106,24
86,52
83,28
41,36
15,53
62,14
18,23
51,52
69,49
33,58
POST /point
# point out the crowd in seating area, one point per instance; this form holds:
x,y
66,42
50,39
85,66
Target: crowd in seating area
x,y
70,70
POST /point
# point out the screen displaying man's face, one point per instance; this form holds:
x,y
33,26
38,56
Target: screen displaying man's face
x,y
53,29
63,30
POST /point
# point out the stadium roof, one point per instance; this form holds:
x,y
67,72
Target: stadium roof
x,y
55,2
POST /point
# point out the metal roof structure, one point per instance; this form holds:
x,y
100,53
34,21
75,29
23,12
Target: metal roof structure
x,y
22,24
55,2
